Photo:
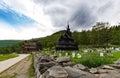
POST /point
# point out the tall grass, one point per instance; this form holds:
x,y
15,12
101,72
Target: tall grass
x,y
31,69
90,59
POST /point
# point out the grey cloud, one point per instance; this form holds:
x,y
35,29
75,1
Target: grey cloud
x,y
58,15
107,6
83,17
80,14
44,2
55,10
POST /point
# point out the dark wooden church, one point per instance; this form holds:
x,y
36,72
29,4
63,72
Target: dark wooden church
x,y
66,42
31,46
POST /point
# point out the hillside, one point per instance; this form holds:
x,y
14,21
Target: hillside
x,y
103,37
99,37
5,43
50,41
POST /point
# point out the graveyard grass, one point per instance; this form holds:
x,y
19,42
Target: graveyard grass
x,y
89,59
7,56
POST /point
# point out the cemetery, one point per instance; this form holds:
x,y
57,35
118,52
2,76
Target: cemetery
x,y
90,59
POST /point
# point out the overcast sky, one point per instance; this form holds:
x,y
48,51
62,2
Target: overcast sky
x,y
26,19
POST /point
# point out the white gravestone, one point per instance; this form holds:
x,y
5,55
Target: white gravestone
x,y
85,51
60,54
73,54
79,56
66,54
54,53
117,49
101,54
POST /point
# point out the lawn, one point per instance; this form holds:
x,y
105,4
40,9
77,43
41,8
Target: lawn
x,y
89,59
7,56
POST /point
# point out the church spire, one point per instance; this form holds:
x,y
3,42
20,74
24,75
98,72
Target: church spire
x,y
68,27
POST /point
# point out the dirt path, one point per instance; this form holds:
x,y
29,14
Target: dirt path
x,y
19,70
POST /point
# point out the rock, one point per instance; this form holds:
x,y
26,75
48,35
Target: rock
x,y
55,72
80,66
117,62
68,64
101,71
44,66
45,75
107,67
115,66
109,74
93,70
75,73
62,59
53,57
44,58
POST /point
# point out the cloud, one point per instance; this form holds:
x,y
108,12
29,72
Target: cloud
x,y
52,15
83,17
81,14
25,32
44,2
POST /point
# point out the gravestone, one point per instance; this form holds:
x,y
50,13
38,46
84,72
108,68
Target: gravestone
x,y
85,51
66,54
79,56
60,54
117,49
101,54
73,54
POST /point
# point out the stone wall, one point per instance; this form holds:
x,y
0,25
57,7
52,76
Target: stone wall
x,y
52,67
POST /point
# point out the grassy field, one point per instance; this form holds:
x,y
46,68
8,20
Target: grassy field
x,y
4,43
90,59
7,56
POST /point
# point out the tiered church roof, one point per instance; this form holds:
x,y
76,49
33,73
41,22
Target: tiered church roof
x,y
66,42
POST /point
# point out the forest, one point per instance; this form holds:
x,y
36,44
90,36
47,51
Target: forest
x,y
101,35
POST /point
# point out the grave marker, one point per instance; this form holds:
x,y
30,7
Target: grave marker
x,y
101,54
66,54
79,56
73,54
60,54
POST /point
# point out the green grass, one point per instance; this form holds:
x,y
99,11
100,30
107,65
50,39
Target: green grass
x,y
7,56
90,59
94,60
116,56
31,70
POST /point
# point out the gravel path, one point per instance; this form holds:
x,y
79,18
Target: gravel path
x,y
10,62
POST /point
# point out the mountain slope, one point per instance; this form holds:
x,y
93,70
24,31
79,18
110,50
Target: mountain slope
x,y
5,43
